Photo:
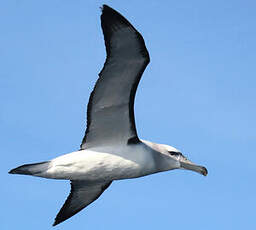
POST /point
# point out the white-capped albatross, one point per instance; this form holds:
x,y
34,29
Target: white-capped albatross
x,y
111,149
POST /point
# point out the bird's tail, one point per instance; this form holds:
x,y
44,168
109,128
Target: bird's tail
x,y
36,169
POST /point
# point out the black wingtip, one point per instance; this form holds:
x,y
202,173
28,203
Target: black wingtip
x,y
55,223
108,11
112,20
58,220
105,7
12,171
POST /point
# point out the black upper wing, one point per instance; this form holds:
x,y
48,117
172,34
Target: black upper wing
x,y
110,111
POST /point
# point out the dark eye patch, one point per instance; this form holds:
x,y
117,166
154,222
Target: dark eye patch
x,y
173,153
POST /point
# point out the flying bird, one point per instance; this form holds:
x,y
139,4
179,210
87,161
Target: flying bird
x,y
111,149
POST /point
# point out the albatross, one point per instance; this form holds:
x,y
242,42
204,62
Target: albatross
x,y
111,149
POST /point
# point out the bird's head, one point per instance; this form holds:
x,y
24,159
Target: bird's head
x,y
173,155
184,162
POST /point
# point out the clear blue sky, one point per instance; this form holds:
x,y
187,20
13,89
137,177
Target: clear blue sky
x,y
198,94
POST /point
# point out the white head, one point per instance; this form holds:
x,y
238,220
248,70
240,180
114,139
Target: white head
x,y
174,158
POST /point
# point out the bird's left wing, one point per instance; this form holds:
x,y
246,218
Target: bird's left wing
x,y
81,195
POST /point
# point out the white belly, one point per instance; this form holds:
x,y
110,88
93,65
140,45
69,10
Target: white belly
x,y
100,166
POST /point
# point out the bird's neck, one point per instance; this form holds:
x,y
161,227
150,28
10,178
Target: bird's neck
x,y
162,161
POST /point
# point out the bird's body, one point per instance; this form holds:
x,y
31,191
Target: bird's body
x,y
108,164
111,149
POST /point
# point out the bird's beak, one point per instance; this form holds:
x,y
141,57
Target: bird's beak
x,y
191,166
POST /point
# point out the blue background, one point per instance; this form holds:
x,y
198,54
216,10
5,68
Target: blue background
x,y
198,94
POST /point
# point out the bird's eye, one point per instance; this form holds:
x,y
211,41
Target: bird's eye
x,y
173,153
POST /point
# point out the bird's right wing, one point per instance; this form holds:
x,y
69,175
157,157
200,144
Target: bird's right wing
x,y
81,195
110,115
